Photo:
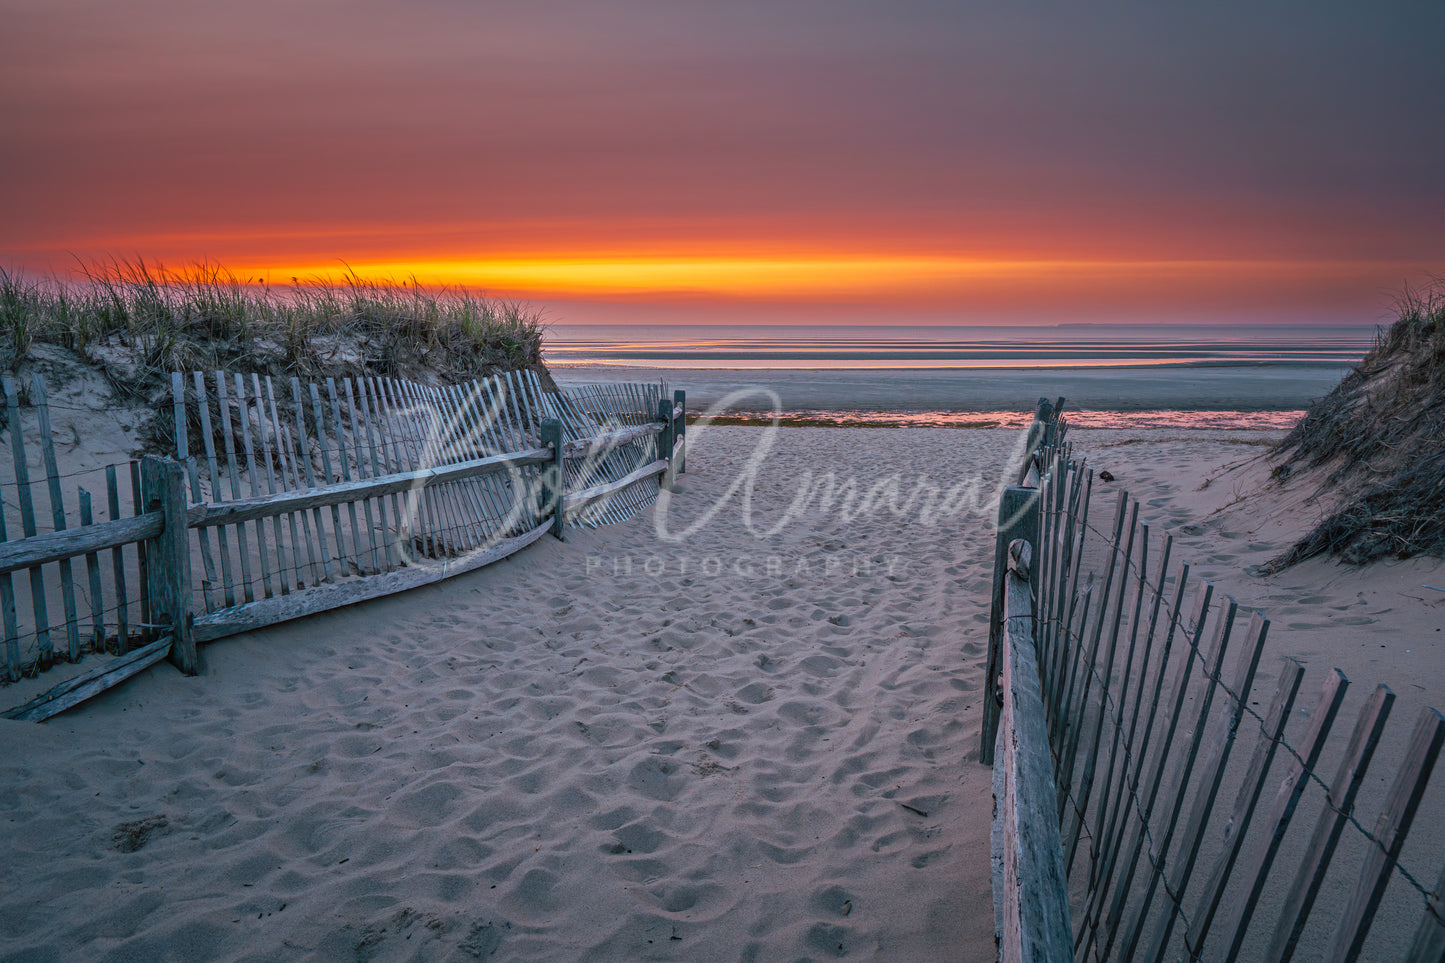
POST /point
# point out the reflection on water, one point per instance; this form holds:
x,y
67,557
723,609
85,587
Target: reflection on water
x,y
1115,376
940,350
1138,420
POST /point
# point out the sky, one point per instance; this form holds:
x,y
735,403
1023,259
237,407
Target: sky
x,y
813,161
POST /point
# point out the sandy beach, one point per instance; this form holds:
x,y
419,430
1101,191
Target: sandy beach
x,y
723,730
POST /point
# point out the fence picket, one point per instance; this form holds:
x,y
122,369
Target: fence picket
x,y
328,477
1109,844
117,564
344,457
418,423
386,458
41,405
208,445
446,446
1117,719
45,655
481,493
396,530
427,505
417,524
445,511
1136,777
1064,669
480,488
183,455
1429,943
1391,829
302,459
278,479
1322,720
292,480
13,667
92,571
1218,748
243,553
1224,629
1267,740
361,443
1058,480
1071,746
253,476
1204,594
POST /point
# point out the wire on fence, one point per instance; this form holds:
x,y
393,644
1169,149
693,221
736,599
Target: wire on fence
x,y
1065,634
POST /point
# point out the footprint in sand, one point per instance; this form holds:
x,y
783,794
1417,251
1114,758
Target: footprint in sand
x,y
833,901
655,779
637,838
768,664
820,665
755,693
829,938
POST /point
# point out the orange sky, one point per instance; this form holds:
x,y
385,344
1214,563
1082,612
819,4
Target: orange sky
x,y
825,161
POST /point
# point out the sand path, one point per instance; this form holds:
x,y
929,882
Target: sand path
x,y
727,747
730,746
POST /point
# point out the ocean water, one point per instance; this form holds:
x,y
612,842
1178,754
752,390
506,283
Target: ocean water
x,y
1111,375
743,347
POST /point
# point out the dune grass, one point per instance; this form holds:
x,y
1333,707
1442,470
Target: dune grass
x,y
1379,435
140,321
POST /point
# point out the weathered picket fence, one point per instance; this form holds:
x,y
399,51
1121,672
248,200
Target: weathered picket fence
x,y
284,499
1125,695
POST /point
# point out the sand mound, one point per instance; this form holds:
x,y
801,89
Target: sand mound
x,y
1373,450
132,324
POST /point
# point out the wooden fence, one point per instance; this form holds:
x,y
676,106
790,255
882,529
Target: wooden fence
x,y
1132,758
285,499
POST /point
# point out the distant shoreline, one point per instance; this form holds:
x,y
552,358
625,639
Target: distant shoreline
x,y
1272,422
553,365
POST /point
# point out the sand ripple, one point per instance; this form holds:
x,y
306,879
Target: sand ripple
x,y
613,749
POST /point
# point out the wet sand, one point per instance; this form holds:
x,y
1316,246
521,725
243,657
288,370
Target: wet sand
x,y
1242,388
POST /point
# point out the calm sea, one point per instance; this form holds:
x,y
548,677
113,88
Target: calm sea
x,y
1113,375
817,347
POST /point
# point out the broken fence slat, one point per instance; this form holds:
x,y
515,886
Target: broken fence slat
x,y
74,691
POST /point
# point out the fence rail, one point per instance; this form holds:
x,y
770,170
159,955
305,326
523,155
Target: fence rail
x,y
277,505
1179,805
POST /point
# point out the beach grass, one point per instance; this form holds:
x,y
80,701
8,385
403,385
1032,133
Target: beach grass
x,y
140,321
1377,435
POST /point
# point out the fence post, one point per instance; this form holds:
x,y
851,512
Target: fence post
x,y
1051,425
664,439
1018,517
169,557
554,477
679,427
1035,918
1034,439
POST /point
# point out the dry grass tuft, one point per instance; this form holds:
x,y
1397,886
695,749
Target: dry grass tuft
x,y
137,323
1381,434
140,322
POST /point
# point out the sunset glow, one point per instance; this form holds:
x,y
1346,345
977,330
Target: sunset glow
x,y
749,162
802,277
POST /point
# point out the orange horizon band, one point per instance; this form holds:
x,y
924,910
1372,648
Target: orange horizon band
x,y
798,276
